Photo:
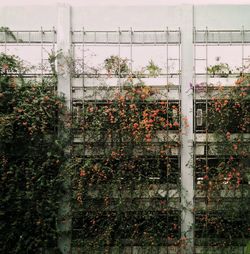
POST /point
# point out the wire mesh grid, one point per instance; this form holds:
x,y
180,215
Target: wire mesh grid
x,y
220,58
148,195
32,47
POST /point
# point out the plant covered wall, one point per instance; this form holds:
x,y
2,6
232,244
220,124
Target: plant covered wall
x,y
31,155
124,164
222,219
127,178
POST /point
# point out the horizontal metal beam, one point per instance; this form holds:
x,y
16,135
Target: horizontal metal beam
x,y
126,37
22,37
222,36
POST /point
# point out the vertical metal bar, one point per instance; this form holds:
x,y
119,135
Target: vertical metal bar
x,y
42,51
17,40
194,124
83,86
167,195
5,42
242,48
83,59
131,49
54,39
96,70
167,56
53,48
194,90
72,61
179,60
179,89
181,221
119,55
206,124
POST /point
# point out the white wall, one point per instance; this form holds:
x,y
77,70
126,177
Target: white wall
x,y
138,17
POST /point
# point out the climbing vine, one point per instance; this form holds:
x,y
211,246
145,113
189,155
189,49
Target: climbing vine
x,y
124,163
225,171
31,156
126,186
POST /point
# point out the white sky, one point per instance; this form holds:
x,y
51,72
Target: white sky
x,y
120,2
232,57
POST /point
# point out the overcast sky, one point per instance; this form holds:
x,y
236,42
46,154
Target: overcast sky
x,y
121,2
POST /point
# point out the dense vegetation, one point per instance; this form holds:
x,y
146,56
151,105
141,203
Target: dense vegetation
x,y
31,157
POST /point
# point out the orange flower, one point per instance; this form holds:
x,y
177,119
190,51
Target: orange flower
x,y
148,138
82,173
176,124
235,147
46,98
239,81
135,125
91,109
228,134
205,177
132,106
121,98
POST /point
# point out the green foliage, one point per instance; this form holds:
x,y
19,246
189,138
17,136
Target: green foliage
x,y
247,248
124,168
225,175
221,69
153,69
116,65
31,160
9,33
124,171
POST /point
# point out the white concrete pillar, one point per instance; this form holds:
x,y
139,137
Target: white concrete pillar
x,y
64,45
187,180
64,222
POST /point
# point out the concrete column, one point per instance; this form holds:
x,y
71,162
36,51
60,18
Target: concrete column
x,y
64,87
187,180
64,45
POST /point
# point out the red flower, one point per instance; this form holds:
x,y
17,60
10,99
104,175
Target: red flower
x,y
205,177
176,124
135,125
235,147
82,173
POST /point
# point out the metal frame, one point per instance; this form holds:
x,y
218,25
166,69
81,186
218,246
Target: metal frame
x,y
186,38
101,38
202,138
